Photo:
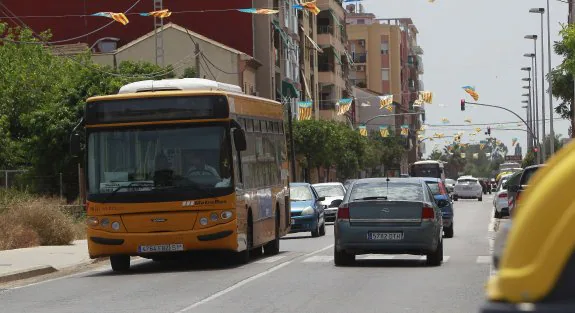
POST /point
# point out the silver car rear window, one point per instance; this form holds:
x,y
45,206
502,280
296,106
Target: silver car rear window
x,y
393,191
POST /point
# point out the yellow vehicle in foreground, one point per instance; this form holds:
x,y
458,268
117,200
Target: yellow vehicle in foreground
x,y
537,269
184,165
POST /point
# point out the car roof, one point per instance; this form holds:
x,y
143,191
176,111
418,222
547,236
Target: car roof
x,y
328,184
391,180
299,184
433,179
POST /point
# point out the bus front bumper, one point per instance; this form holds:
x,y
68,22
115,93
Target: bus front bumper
x,y
219,237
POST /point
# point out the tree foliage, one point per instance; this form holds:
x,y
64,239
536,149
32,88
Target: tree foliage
x,y
562,76
329,144
43,96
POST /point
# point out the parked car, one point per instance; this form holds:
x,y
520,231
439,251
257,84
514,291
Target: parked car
x,y
389,216
440,193
307,212
500,199
331,192
517,186
348,183
450,185
468,187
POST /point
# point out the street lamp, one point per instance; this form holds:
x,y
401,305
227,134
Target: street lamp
x,y
542,11
530,95
533,57
551,129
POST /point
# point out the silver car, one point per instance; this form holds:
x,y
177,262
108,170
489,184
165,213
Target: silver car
x,y
389,216
468,187
500,201
331,192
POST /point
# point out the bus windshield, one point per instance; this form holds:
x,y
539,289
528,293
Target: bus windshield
x,y
145,160
426,170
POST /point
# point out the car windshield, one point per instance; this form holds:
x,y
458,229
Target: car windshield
x,y
300,193
144,160
329,190
528,175
392,191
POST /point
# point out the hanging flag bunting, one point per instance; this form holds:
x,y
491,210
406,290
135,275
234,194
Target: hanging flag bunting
x,y
259,11
362,130
514,141
438,135
118,17
384,131
343,105
405,130
467,120
471,91
426,96
478,130
476,156
161,13
385,102
305,110
310,6
445,120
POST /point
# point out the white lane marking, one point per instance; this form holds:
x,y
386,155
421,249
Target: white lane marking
x,y
319,259
484,259
248,280
272,259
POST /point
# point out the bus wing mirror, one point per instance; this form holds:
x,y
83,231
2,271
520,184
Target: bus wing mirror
x,y
75,147
240,139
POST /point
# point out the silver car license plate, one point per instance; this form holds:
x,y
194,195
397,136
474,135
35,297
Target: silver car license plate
x,y
384,236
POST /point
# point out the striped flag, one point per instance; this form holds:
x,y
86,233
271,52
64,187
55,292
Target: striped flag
x,y
405,130
161,13
363,130
384,131
118,17
426,96
385,102
343,105
259,11
471,91
310,6
305,110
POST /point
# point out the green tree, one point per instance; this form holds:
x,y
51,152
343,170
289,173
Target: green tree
x,y
562,76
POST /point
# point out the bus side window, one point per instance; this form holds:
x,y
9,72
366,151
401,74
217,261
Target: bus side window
x,y
249,125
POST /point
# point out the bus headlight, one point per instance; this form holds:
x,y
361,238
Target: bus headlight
x,y
214,217
105,222
92,221
116,225
226,215
308,211
204,221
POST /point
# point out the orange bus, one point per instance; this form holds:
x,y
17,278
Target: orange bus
x,y
183,165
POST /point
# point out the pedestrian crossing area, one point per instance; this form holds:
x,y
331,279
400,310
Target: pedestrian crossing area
x,y
482,259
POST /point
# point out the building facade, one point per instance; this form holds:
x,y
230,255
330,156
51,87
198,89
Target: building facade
x,y
333,64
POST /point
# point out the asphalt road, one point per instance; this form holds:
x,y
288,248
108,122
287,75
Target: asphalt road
x,y
302,278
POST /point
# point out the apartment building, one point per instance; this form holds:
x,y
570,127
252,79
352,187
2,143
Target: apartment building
x,y
309,51
333,64
387,60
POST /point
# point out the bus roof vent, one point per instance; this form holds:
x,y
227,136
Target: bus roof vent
x,y
178,84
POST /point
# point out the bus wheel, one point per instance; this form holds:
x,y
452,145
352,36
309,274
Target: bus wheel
x,y
243,257
120,263
273,247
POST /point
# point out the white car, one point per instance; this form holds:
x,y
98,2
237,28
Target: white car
x,y
468,187
331,192
500,199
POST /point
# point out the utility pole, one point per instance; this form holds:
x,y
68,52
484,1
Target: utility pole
x,y
158,24
198,56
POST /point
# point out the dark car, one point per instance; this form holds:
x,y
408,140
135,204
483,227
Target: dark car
x,y
307,212
440,193
389,216
517,184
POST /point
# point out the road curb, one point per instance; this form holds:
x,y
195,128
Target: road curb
x,y
27,273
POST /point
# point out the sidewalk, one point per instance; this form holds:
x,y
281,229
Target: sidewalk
x,y
29,262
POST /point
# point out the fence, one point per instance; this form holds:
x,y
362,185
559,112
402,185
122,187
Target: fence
x,y
64,185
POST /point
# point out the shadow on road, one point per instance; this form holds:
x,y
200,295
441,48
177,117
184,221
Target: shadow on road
x,y
198,261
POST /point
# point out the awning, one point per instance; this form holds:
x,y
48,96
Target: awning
x,y
289,90
314,44
283,35
335,18
307,90
337,57
349,58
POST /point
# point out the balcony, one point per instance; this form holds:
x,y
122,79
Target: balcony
x,y
324,29
359,57
326,67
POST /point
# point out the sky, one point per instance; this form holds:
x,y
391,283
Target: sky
x,y
478,43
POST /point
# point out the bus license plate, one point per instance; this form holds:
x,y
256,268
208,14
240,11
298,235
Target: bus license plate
x,y
161,248
385,236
